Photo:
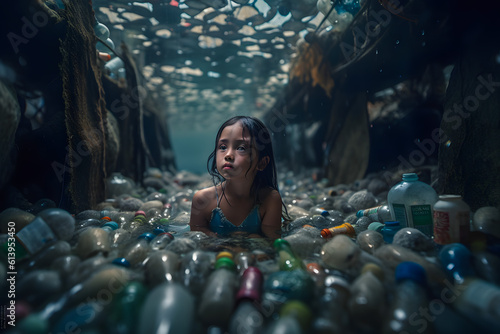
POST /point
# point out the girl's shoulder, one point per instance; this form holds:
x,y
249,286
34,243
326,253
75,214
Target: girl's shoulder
x,y
206,193
269,195
205,199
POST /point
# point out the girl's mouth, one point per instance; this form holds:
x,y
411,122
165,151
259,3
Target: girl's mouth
x,y
227,166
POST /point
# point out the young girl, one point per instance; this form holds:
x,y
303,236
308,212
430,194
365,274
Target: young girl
x,y
246,197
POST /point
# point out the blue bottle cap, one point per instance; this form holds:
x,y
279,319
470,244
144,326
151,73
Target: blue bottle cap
x,y
392,223
158,230
410,177
325,213
376,226
121,261
148,236
411,270
359,214
113,225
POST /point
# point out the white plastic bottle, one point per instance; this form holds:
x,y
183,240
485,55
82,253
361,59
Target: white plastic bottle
x,y
451,220
411,203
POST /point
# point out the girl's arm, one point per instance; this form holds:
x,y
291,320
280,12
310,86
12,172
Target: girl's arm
x,y
198,220
271,222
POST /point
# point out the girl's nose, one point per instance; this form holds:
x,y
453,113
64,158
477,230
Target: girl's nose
x,y
229,156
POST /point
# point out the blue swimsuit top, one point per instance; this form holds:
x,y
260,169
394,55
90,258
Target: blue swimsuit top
x,y
222,226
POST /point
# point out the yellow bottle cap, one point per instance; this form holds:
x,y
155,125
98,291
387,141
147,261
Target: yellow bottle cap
x,y
224,254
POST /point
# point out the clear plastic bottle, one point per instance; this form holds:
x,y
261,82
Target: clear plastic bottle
x,y
295,318
380,213
472,297
451,220
47,228
410,298
479,301
218,299
332,303
366,302
162,266
195,269
168,308
411,203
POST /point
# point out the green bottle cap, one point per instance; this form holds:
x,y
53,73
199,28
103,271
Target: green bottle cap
x,y
225,262
279,242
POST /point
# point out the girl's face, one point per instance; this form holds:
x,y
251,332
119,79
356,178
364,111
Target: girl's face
x,y
236,155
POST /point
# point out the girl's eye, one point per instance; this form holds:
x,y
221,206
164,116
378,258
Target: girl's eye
x,y
222,147
241,148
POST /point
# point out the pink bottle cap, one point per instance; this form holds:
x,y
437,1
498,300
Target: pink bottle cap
x,y
251,285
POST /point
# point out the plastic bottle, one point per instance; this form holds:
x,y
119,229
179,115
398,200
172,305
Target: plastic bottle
x,y
332,303
474,298
456,261
137,250
295,317
366,303
345,228
410,298
169,309
162,266
479,301
244,260
167,211
451,220
411,203
218,299
317,273
247,317
287,258
319,211
282,286
380,213
101,31
48,227
113,66
92,241
195,269
123,313
161,241
389,230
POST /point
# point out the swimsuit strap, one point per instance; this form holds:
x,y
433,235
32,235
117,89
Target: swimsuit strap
x,y
217,195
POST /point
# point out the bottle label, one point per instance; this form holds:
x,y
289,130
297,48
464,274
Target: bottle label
x,y
400,214
36,235
371,211
422,218
442,229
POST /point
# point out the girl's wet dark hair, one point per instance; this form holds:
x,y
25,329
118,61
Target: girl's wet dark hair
x,y
261,138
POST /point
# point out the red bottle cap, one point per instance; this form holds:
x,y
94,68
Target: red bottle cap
x,y
326,233
251,285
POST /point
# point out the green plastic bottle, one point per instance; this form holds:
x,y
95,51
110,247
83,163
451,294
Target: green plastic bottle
x,y
287,259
